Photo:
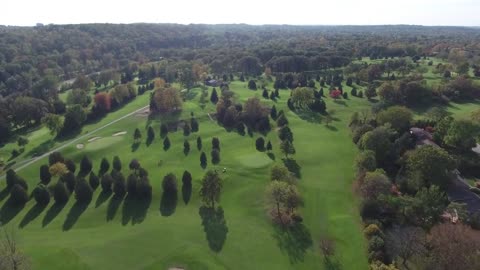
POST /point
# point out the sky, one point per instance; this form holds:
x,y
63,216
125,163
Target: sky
x,y
295,12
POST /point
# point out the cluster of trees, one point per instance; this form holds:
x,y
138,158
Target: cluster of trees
x,y
403,188
63,171
283,196
306,98
165,99
253,114
285,134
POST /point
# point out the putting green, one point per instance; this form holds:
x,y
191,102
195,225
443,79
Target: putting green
x,y
255,160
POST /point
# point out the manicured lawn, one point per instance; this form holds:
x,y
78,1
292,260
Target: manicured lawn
x,y
116,235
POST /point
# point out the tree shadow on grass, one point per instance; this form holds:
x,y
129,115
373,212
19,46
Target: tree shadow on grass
x,y
102,197
135,209
9,210
215,227
271,156
54,210
149,141
309,116
186,193
32,214
41,148
168,204
4,193
332,128
292,166
294,240
113,206
332,264
72,217
135,146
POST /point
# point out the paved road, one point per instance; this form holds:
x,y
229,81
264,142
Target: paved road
x,y
29,162
459,191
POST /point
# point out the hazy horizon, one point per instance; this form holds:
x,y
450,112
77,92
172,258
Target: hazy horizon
x,y
299,12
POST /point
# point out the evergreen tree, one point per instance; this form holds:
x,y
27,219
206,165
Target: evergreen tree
x,y
285,134
94,181
277,93
45,175
215,156
137,135
150,134
60,193
104,166
18,195
199,143
83,191
41,194
117,164
85,165
194,124
353,92
287,148
269,146
70,165
203,159
106,182
265,93
273,112
260,144
186,147
282,120
186,129
163,130
215,143
214,96
166,144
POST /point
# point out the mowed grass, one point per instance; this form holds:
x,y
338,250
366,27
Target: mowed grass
x,y
112,235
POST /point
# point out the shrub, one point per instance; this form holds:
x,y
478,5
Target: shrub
x,y
41,194
18,195
252,85
94,181
215,156
273,112
375,243
60,193
372,230
169,184
260,144
83,191
106,182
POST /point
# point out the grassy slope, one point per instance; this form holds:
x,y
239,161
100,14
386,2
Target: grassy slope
x,y
157,242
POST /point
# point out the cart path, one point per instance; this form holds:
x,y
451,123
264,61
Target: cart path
x,y
29,162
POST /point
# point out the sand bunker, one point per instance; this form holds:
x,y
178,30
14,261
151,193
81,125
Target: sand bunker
x,y
94,139
80,146
119,133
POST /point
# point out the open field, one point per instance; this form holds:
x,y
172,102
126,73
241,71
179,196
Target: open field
x,y
114,235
